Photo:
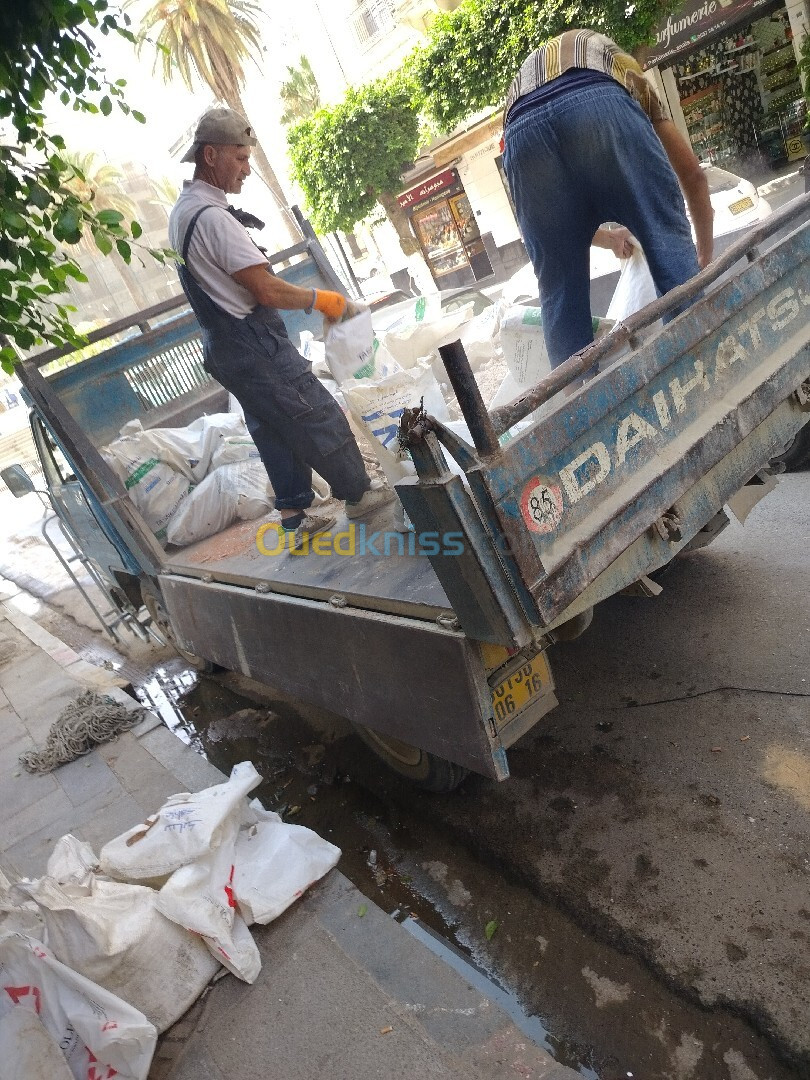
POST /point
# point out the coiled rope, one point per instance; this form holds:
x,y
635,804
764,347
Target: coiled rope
x,y
85,722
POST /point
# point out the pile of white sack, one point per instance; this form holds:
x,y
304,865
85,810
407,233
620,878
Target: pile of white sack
x,y
379,376
102,954
191,482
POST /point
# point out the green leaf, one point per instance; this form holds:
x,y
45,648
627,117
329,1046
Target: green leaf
x,y
138,116
105,105
490,929
136,230
103,242
124,250
361,911
110,217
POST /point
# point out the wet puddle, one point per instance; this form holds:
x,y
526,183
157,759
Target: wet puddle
x,y
596,1010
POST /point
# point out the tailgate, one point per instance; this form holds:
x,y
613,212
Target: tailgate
x,y
616,478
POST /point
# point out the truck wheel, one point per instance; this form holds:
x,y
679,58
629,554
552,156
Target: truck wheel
x,y
153,602
797,453
421,768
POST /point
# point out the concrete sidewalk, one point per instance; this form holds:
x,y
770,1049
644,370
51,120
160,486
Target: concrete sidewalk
x,y
342,994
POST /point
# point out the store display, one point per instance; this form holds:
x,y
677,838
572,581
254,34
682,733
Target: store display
x,y
741,96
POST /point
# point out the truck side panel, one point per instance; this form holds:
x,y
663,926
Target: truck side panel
x,y
422,684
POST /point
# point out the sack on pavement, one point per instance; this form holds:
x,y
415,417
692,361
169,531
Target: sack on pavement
x,y
114,935
99,1035
183,830
29,1050
276,863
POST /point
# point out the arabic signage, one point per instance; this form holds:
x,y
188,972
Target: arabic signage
x,y
696,21
428,188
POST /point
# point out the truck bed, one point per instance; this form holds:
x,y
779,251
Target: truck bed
x,y
397,584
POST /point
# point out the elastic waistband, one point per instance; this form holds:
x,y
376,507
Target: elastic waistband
x,y
575,97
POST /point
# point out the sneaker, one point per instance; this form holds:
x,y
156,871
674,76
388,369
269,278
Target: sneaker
x,y
374,499
312,525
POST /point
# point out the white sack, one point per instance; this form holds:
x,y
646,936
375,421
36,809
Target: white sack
x,y
201,897
408,341
189,450
237,492
377,406
114,935
635,288
72,863
154,486
185,828
232,449
481,335
83,1019
276,863
523,344
29,1051
349,347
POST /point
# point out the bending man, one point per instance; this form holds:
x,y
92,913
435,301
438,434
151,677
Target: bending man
x,y
585,142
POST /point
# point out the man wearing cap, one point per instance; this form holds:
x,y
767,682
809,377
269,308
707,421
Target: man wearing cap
x,y
295,422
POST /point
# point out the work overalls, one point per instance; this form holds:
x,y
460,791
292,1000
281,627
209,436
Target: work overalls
x,y
295,422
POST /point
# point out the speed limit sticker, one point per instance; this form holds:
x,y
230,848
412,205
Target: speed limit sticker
x,y
542,506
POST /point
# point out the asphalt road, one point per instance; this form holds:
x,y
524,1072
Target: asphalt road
x,y
665,805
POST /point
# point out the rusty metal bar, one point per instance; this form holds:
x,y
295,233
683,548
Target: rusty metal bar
x,y
469,398
624,333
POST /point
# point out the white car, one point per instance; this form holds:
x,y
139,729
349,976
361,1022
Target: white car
x,y
736,202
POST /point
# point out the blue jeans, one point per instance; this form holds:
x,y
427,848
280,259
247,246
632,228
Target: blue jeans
x,y
584,158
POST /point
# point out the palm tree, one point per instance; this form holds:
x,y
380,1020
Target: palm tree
x,y
213,39
101,184
300,93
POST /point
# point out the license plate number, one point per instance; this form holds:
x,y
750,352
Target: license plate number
x,y
519,689
741,204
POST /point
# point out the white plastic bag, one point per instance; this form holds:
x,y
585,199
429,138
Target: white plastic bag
x,y
240,491
524,345
635,288
185,828
100,1035
276,863
189,450
114,935
349,347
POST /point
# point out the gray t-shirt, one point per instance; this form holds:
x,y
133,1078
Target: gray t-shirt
x,y
219,246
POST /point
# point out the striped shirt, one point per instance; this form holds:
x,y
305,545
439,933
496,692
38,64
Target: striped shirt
x,y
589,50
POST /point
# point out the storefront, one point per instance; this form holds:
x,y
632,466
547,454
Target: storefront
x,y
446,228
730,67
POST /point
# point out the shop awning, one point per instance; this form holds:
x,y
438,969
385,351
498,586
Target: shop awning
x,y
698,20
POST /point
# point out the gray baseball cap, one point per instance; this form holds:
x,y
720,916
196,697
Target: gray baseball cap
x,y
221,127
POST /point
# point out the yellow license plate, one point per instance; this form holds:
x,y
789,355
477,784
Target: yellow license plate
x,y
519,689
741,204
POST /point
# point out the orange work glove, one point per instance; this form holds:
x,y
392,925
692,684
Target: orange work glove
x,y
330,304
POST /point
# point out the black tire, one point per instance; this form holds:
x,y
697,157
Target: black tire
x,y
423,769
153,602
796,454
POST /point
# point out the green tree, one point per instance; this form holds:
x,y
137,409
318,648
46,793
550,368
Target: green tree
x,y
350,157
45,46
213,39
474,52
300,93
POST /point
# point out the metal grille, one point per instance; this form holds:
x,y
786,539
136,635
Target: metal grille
x,y
372,19
169,374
